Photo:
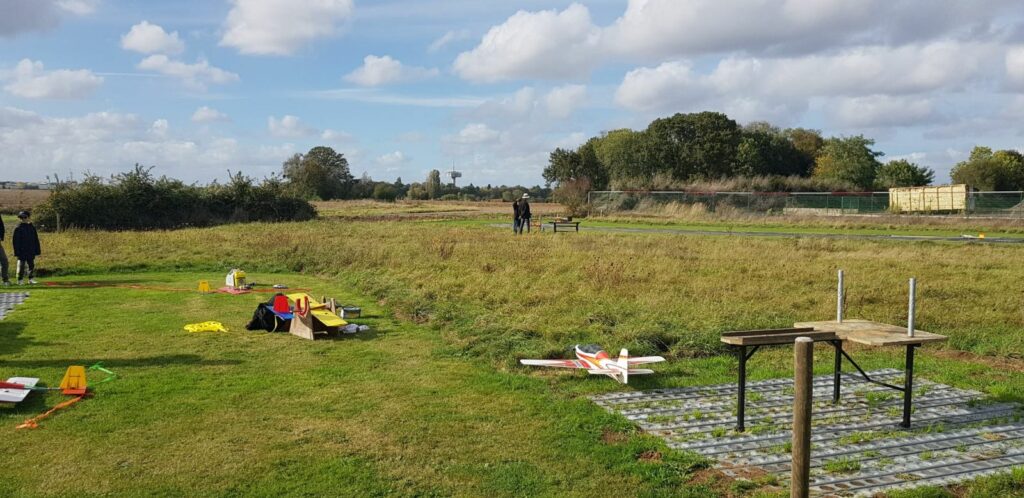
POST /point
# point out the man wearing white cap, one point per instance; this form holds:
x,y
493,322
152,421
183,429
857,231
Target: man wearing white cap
x,y
524,213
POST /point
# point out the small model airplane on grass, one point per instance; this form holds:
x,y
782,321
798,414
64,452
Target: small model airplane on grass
x,y
597,362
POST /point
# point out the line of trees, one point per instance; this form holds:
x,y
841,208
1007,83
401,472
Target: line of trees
x,y
324,174
687,148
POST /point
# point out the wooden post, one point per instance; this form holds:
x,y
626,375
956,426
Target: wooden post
x,y
803,364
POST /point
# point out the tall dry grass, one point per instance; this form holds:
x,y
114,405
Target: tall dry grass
x,y
491,294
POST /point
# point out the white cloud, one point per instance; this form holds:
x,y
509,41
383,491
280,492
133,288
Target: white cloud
x,y
789,83
22,16
377,71
281,27
447,39
206,114
564,100
474,133
878,111
567,44
151,39
392,159
671,84
30,80
336,136
160,127
109,142
546,44
78,7
1015,66
375,96
289,127
195,76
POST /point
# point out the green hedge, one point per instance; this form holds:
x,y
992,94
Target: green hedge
x,y
137,201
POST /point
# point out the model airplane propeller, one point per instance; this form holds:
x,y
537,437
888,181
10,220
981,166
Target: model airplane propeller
x,y
597,362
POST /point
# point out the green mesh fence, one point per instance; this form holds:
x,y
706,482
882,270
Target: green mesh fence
x,y
996,204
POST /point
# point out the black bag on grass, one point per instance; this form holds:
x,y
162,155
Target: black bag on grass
x,y
265,319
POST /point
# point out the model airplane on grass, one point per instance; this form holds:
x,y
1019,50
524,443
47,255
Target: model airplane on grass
x,y
597,362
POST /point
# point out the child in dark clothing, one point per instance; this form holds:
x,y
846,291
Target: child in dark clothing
x,y
26,248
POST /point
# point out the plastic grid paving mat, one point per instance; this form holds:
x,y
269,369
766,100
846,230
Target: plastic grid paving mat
x,y
8,300
957,435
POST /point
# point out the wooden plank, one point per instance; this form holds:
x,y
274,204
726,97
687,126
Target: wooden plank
x,y
768,340
739,333
873,333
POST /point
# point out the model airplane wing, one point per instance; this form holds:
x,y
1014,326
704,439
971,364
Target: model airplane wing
x,y
17,395
554,363
640,360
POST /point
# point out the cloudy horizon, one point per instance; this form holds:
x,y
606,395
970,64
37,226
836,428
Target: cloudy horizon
x,y
402,87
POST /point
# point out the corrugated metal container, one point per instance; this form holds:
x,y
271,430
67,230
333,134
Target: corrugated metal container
x,y
944,198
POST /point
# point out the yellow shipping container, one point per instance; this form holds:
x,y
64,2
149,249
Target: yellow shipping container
x,y
944,198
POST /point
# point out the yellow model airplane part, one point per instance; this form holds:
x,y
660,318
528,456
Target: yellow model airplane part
x,y
317,309
206,327
74,380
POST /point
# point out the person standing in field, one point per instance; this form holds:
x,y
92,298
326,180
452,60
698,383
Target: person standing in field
x,y
515,216
26,248
4,264
524,213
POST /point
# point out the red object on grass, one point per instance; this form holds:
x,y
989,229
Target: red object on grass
x,y
281,304
11,385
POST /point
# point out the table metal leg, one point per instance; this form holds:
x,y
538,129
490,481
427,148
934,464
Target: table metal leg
x,y
837,371
741,398
908,386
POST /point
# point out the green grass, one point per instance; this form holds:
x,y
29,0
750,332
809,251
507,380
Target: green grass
x,y
268,414
846,465
434,402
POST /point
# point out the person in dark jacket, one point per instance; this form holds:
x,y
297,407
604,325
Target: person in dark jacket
x,y
524,214
4,264
26,248
515,216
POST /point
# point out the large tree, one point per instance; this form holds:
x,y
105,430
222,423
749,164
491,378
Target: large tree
x,y
580,164
987,170
850,160
765,150
903,173
321,173
808,143
433,184
623,154
700,145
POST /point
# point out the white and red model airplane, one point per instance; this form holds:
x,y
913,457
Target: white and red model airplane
x,y
597,362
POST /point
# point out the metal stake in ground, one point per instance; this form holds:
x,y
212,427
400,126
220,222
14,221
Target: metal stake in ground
x,y
803,364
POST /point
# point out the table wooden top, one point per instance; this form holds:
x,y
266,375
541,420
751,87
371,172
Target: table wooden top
x,y
771,337
873,333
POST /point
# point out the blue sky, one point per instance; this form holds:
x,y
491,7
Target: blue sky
x,y
197,88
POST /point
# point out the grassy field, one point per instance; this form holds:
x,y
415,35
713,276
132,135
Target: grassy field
x,y
12,201
433,402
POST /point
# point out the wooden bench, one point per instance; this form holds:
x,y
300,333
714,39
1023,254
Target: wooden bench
x,y
564,223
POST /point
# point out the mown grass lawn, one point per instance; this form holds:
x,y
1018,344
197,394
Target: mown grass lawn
x,y
433,402
386,412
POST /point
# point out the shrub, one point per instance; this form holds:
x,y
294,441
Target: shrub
x,y
137,201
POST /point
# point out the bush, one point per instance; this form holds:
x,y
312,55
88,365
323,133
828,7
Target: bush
x,y
137,201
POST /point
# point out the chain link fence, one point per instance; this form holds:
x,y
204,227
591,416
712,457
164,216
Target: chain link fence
x,y
977,204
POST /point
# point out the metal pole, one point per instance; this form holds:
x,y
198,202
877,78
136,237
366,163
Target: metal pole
x,y
803,363
908,386
839,300
910,307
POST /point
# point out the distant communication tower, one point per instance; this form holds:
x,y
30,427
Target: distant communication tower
x,y
454,174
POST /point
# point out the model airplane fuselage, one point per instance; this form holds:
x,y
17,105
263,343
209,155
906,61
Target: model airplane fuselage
x,y
597,362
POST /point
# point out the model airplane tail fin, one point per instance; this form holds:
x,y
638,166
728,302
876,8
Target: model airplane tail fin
x,y
624,364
